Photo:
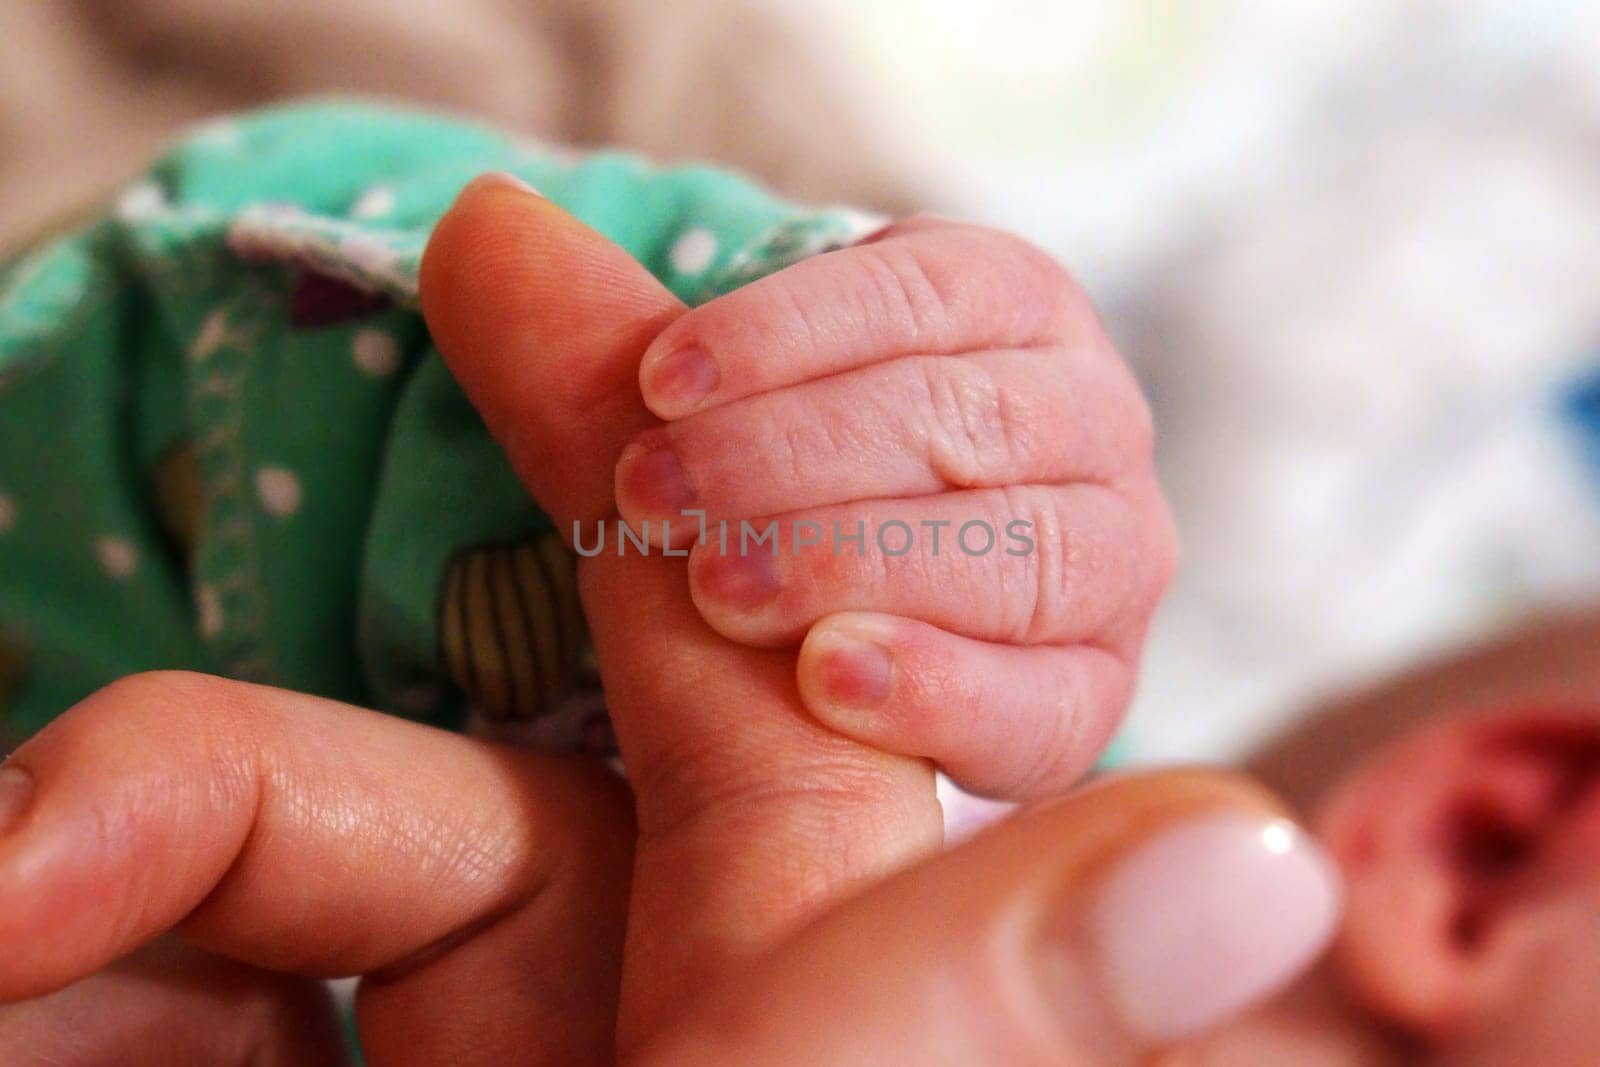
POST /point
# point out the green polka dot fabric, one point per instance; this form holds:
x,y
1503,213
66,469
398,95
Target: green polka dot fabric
x,y
227,444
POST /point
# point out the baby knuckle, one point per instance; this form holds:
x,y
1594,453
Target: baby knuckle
x,y
1068,569
1058,745
1123,411
1041,281
1032,260
1139,432
1164,550
908,286
788,450
783,314
1027,598
1057,559
977,431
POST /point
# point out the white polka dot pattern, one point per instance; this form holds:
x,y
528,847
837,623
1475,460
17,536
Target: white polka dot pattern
x,y
141,201
279,491
375,352
118,558
208,610
212,336
693,251
374,203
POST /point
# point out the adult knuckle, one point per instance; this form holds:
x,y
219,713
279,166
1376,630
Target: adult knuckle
x,y
213,724
167,696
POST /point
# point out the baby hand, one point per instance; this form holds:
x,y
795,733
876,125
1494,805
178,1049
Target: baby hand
x,y
922,456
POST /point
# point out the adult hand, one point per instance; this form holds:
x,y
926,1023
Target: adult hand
x,y
480,889
1113,923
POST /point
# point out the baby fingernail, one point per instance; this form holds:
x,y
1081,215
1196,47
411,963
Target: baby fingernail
x,y
16,793
1209,915
681,379
745,580
849,673
651,479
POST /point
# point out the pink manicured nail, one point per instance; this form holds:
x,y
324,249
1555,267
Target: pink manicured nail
x,y
680,380
1209,915
651,479
746,581
16,793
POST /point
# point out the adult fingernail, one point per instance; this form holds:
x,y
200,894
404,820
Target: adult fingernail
x,y
847,673
1202,920
651,479
746,580
679,381
16,793
499,179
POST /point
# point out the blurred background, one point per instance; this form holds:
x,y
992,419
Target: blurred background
x,y
1352,247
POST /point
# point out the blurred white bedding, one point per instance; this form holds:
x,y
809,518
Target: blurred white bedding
x,y
1352,249
1357,375
1356,368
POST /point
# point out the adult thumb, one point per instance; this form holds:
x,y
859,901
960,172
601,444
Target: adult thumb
x,y
751,815
543,320
1116,925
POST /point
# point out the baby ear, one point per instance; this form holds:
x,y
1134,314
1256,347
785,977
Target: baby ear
x,y
1451,842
